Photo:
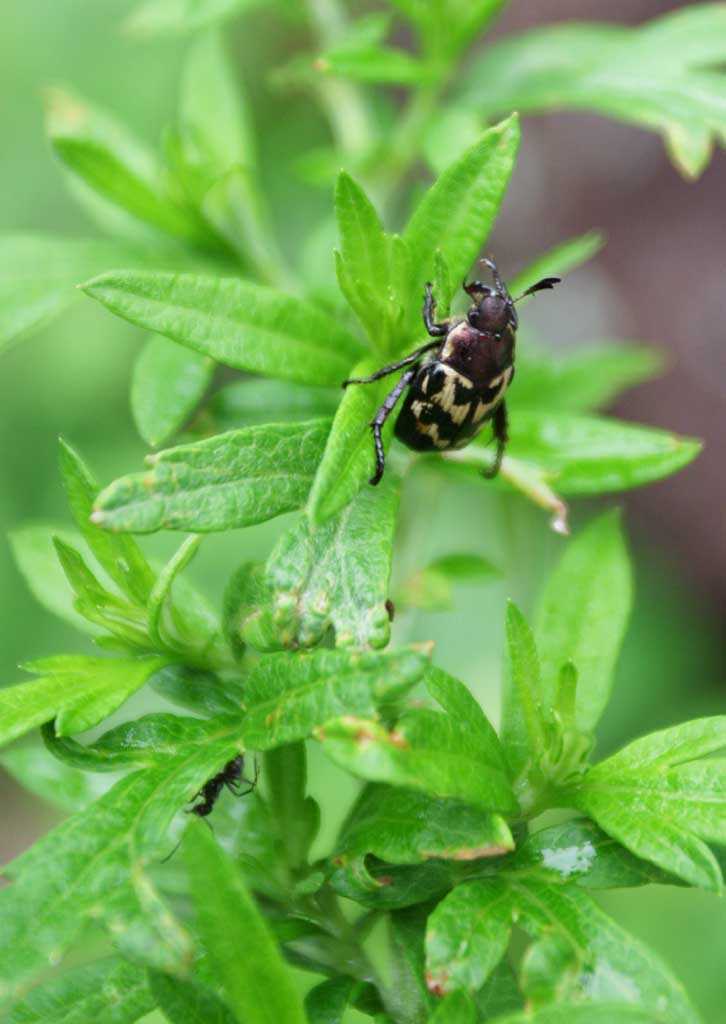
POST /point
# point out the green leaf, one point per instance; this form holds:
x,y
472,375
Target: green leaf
x,y
160,17
661,803
524,724
188,1002
38,275
244,325
405,827
79,691
603,1013
296,817
336,575
110,990
248,614
578,851
581,381
167,384
196,636
119,556
35,556
408,997
257,985
93,867
612,965
652,75
117,167
426,750
215,126
431,587
457,212
378,64
590,455
499,995
457,1008
247,402
362,268
235,479
583,615
467,935
289,695
559,260
349,461
198,690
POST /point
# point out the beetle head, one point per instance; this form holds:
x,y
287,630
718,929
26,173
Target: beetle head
x,y
492,314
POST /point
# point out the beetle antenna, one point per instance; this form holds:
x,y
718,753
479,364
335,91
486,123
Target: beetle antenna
x,y
540,286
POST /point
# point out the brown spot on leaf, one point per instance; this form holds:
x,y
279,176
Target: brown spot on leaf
x,y
398,740
472,852
436,983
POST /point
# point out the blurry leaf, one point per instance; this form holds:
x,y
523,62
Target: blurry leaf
x,y
247,402
549,971
235,479
93,867
377,64
197,690
257,985
663,804
594,1013
384,886
160,17
587,455
408,998
124,621
583,615
583,380
558,261
500,994
467,935
327,1002
188,1002
652,75
349,460
117,167
337,574
248,613
168,382
457,1008
524,722
613,966
457,212
110,990
35,556
427,750
295,816
431,588
38,275
244,325
119,556
578,851
196,640
289,695
448,132
58,784
215,126
405,827
79,691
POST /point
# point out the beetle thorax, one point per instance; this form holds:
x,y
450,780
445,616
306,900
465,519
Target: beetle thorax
x,y
478,355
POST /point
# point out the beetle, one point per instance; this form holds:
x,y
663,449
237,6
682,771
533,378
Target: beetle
x,y
452,395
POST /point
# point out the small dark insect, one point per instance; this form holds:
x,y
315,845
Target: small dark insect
x,y
452,395
231,777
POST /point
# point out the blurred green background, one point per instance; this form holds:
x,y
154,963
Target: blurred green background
x,y
72,379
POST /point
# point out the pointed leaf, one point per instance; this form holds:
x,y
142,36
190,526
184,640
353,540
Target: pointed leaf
x,y
457,213
523,720
583,614
77,690
168,383
235,479
244,325
258,986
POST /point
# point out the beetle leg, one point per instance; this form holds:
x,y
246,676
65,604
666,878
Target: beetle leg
x,y
499,423
381,416
393,367
428,312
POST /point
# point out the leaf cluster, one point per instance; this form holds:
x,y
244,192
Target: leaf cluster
x,y
441,859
